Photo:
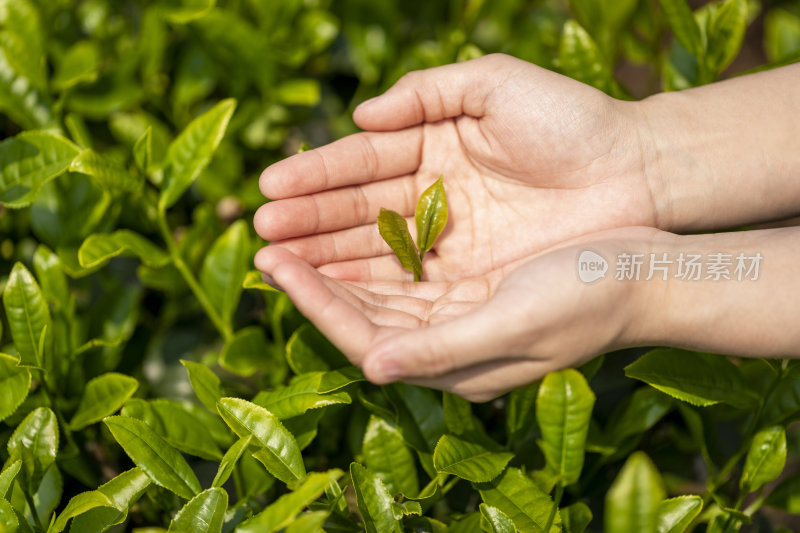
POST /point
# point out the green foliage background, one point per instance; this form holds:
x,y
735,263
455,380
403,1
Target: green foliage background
x,y
147,379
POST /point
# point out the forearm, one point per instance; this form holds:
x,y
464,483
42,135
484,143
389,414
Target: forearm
x,y
754,316
725,154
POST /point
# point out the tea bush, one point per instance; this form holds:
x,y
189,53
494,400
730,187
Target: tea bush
x,y
149,379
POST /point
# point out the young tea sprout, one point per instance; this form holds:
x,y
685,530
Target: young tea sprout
x,y
430,217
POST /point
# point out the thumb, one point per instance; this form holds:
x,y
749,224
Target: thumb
x,y
434,94
477,337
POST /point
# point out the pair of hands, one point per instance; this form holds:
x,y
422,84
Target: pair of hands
x,y
537,167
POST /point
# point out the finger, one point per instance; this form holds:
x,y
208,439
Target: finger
x,y
382,268
335,210
345,245
482,334
359,158
487,381
436,93
338,319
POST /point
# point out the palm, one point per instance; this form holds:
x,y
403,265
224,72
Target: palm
x,y
522,172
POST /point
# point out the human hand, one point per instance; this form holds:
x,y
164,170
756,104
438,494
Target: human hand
x,y
530,158
478,337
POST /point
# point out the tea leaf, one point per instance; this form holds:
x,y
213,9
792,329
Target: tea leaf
x,y
468,460
576,517
28,316
205,383
563,410
281,512
143,150
225,267
103,396
394,230
580,58
229,460
245,352
388,457
79,504
123,491
281,454
78,65
683,24
191,152
252,280
765,459
632,502
8,476
110,174
205,513
420,418
35,442
696,378
15,382
162,463
376,505
494,520
188,427
30,160
97,249
518,497
726,33
430,216
298,397
676,514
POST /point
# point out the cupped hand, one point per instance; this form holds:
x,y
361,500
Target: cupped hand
x,y
530,158
481,336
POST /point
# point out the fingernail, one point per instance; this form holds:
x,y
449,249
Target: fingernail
x,y
266,278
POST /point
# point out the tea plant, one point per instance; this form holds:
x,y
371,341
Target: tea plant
x,y
430,217
149,380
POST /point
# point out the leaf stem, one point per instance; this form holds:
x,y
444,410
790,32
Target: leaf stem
x,y
556,503
225,329
34,513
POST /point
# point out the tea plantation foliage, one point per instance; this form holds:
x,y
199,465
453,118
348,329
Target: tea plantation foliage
x,y
149,379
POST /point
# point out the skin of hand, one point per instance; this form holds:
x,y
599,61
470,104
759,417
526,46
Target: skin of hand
x,y
477,337
481,337
530,158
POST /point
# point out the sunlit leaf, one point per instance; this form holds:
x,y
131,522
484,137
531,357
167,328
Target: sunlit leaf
x,y
696,378
205,513
205,383
162,463
15,382
676,514
494,520
765,460
388,457
110,174
632,502
281,454
35,442
103,396
375,503
518,497
726,33
430,215
563,410
28,316
30,160
468,460
281,512
683,24
225,267
229,460
97,249
394,230
191,152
